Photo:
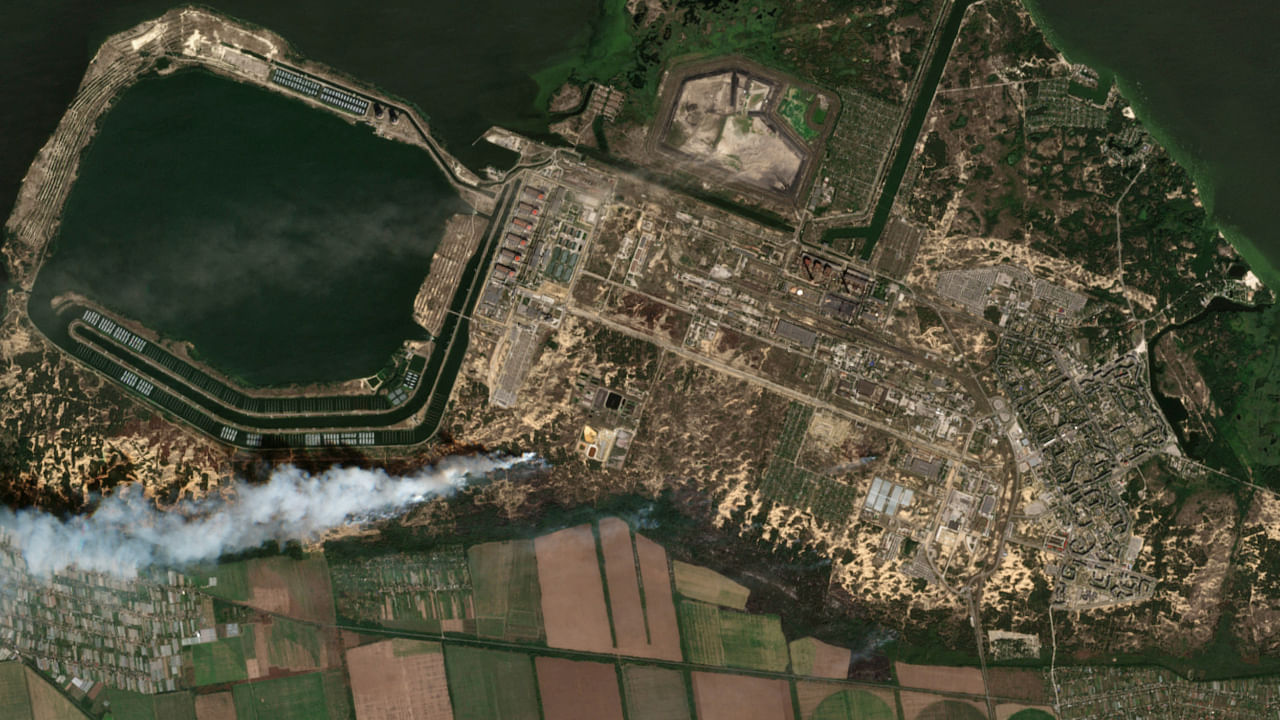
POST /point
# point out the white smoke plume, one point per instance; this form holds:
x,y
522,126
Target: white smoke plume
x,y
127,532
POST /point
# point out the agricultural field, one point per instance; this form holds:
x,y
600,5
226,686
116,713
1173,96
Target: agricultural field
x,y
491,684
429,591
831,701
216,706
706,585
573,601
943,678
222,661
718,636
1025,714
718,696
297,589
125,705
399,678
853,705
810,656
653,693
573,690
506,595
921,706
15,703
639,589
47,702
292,645
297,697
175,706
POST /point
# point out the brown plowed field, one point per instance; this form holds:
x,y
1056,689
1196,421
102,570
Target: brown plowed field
x,y
399,680
664,632
574,690
1026,685
719,696
294,588
573,605
624,588
941,678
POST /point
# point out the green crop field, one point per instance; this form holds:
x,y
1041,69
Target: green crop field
x,y
175,706
699,583
508,601
491,684
793,108
719,636
1031,714
655,693
951,710
753,641
125,705
854,705
219,661
337,695
14,701
298,697
700,633
294,644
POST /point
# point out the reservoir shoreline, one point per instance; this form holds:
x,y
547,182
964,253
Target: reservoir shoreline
x,y
1266,268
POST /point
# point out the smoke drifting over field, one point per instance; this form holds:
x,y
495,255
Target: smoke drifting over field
x,y
127,532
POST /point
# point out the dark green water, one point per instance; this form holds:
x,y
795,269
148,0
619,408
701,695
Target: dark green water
x,y
286,244
467,65
1204,77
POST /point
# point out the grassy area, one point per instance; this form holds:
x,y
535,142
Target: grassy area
x,y
14,701
753,641
853,705
229,581
220,661
794,107
293,644
489,684
508,601
298,697
699,583
652,693
126,705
